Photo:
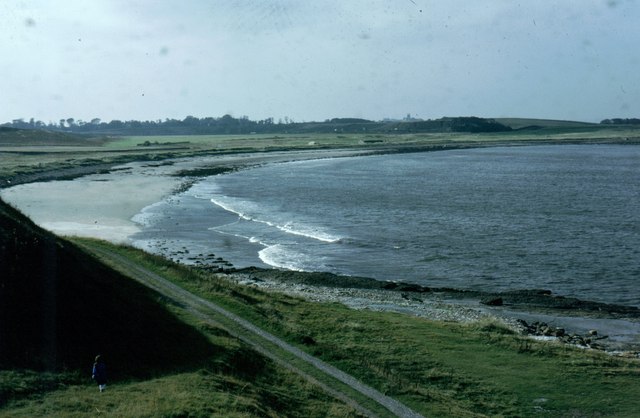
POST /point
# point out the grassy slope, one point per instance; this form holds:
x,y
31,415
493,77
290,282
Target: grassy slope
x,y
436,368
59,308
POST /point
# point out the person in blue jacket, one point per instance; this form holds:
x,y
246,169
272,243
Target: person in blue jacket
x,y
99,373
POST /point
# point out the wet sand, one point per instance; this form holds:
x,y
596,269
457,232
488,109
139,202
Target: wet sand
x,y
96,206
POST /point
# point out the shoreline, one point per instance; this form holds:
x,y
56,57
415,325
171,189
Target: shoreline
x,y
100,201
162,179
536,313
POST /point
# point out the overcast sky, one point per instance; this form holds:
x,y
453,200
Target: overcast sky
x,y
314,60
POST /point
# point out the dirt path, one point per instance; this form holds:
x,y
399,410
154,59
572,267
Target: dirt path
x,y
259,339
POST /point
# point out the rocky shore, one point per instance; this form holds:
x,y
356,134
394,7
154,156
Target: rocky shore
x,y
536,312
460,306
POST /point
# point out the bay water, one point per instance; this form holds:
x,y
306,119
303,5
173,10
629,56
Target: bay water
x,y
559,217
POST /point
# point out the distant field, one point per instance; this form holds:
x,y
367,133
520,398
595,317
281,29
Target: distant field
x,y
264,141
22,137
23,152
518,123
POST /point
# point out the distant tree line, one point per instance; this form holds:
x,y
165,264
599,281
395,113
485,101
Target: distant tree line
x,y
189,125
228,125
619,121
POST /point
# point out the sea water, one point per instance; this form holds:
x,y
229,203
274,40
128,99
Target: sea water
x,y
559,217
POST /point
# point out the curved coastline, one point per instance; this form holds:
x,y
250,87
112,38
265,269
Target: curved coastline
x,y
443,304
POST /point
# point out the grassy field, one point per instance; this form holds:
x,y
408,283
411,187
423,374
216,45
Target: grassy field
x,y
42,151
439,369
560,132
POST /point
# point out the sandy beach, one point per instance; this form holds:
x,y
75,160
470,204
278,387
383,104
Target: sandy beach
x,y
96,206
103,205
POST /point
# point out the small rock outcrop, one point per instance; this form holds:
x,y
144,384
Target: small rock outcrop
x,y
590,340
492,301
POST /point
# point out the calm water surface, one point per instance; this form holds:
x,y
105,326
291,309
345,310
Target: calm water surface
x,y
563,218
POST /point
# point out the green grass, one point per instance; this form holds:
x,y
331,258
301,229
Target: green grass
x,y
551,131
439,369
242,142
203,392
36,152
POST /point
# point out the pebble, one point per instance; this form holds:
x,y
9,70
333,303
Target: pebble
x,y
430,307
373,299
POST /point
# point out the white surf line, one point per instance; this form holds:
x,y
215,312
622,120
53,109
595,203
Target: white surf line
x,y
162,285
286,228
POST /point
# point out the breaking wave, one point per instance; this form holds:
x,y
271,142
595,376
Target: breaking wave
x,y
249,212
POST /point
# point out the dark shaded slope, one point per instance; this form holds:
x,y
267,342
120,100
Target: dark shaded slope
x,y
59,308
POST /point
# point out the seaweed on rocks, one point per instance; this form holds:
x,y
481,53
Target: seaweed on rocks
x,y
526,299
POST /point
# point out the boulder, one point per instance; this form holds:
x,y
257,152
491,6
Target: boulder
x,y
492,301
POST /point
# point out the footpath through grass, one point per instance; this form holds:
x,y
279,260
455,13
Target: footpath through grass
x,y
438,369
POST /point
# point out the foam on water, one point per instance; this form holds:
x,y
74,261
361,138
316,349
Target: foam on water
x,y
249,211
221,230
203,190
287,257
148,215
